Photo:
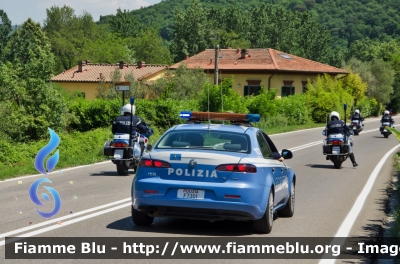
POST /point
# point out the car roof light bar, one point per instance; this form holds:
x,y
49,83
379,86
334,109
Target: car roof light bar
x,y
216,116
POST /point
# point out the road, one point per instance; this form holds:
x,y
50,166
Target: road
x,y
96,201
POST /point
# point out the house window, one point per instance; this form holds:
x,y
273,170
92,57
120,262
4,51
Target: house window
x,y
287,88
253,87
304,85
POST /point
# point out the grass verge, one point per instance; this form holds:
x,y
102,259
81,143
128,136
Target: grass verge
x,y
17,159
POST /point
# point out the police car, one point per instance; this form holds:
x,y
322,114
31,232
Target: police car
x,y
200,170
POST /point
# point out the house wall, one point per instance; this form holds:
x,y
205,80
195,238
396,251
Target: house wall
x,y
276,82
90,89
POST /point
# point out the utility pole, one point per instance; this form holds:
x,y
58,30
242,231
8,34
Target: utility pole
x,y
216,65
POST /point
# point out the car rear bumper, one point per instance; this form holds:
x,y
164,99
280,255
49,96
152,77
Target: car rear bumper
x,y
215,206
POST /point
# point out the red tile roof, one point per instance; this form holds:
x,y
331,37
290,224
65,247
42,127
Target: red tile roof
x,y
92,72
257,59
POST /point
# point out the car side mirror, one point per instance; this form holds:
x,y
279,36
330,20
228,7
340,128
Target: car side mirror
x,y
287,154
323,132
149,147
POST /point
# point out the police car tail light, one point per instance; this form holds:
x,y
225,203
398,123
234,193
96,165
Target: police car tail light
x,y
237,168
154,163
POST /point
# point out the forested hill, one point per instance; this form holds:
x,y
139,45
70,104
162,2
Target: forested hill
x,y
347,20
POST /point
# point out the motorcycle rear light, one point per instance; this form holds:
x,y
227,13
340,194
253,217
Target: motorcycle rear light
x,y
232,196
146,140
336,142
237,168
154,163
119,145
151,191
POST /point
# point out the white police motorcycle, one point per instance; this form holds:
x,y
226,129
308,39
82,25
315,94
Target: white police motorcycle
x,y
337,147
125,151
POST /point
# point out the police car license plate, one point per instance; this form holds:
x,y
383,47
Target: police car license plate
x,y
336,150
191,194
118,153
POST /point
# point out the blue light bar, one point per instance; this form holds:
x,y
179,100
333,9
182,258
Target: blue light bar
x,y
185,114
253,117
233,117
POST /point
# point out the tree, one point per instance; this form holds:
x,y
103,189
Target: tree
x,y
149,47
124,24
381,87
29,48
180,84
355,86
5,29
35,105
189,36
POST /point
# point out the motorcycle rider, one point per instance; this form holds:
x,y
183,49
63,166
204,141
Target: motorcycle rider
x,y
387,118
337,126
357,116
122,123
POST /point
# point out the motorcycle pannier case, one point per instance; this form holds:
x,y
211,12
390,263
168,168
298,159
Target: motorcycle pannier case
x,y
108,150
327,149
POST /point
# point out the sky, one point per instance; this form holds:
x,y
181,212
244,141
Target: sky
x,y
19,11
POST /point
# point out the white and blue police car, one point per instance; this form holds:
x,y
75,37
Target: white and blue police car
x,y
200,170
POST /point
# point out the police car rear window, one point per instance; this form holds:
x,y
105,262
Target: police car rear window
x,y
212,140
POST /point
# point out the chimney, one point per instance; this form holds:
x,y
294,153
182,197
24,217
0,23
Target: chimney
x,y
87,62
80,66
211,61
243,54
121,65
140,64
101,75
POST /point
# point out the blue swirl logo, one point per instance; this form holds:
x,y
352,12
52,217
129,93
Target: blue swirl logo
x,y
45,151
35,198
50,165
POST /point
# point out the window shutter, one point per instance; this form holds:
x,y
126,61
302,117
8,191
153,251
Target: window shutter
x,y
258,90
292,90
283,91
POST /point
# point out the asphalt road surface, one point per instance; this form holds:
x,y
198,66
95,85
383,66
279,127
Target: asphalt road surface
x,y
329,202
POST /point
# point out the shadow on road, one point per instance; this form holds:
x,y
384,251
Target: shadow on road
x,y
323,166
378,136
110,173
186,227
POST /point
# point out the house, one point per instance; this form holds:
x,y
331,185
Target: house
x,y
86,76
256,68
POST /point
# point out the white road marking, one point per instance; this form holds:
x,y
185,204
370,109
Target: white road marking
x,y
347,224
56,220
54,172
49,228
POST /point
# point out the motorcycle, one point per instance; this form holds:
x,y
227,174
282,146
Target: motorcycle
x,y
356,126
126,156
337,148
384,131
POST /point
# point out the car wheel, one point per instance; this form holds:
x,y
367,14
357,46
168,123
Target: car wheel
x,y
288,210
140,219
264,224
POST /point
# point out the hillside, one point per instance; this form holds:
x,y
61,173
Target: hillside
x,y
347,20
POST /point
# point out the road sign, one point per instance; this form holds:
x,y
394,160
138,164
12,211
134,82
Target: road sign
x,y
122,86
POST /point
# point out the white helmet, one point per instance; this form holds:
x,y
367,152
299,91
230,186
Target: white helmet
x,y
332,114
357,111
386,112
127,109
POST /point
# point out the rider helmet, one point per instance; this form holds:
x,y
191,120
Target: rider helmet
x,y
386,112
334,114
357,111
127,109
